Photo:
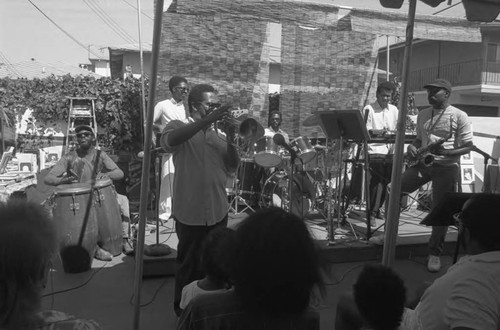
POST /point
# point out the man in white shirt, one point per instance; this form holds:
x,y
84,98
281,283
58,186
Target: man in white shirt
x,y
274,126
166,111
381,118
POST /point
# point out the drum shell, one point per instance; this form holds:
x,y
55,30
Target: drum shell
x,y
249,177
69,205
108,215
267,152
305,150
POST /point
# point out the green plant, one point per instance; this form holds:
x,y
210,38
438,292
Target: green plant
x,y
118,104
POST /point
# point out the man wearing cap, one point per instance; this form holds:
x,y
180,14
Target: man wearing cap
x,y
446,133
78,166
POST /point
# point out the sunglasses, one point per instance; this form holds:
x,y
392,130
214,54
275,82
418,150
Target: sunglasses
x,y
181,89
80,135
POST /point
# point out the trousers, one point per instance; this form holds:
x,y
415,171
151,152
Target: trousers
x,y
188,255
444,179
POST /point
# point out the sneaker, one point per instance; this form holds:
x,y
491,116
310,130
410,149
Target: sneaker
x,y
377,240
127,247
434,264
103,255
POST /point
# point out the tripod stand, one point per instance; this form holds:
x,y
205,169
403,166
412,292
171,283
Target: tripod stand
x,y
342,125
237,199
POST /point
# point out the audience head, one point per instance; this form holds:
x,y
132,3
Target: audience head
x,y
27,245
380,296
277,263
218,254
480,222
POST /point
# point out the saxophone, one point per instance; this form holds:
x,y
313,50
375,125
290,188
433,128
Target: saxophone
x,y
424,156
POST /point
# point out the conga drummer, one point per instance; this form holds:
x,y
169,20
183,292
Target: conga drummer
x,y
78,166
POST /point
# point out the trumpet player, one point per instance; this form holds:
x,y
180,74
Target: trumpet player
x,y
203,160
444,133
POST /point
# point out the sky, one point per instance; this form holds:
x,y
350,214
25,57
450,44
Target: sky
x,y
26,33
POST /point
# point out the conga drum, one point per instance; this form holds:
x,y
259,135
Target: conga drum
x,y
109,219
77,236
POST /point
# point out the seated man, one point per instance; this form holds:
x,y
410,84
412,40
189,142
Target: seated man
x,y
28,241
78,166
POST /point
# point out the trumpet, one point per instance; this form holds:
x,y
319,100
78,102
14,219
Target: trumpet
x,y
248,128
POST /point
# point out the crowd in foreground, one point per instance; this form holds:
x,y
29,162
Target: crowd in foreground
x,y
260,276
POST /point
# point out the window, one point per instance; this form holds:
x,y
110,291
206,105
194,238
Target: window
x,y
493,52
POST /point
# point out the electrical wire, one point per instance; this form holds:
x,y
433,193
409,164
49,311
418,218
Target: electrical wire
x,y
117,29
110,19
64,31
9,65
78,286
131,300
135,8
449,7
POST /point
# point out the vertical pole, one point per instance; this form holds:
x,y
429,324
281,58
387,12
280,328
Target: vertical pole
x,y
143,90
146,163
391,225
387,59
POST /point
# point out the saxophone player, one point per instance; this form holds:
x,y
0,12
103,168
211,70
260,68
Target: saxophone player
x,y
446,132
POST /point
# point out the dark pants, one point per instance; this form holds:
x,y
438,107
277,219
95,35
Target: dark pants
x,y
188,255
380,176
444,179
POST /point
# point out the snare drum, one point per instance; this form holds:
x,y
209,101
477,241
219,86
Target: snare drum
x,y
109,218
68,209
267,152
305,150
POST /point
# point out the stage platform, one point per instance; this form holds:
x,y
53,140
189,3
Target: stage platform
x,y
346,247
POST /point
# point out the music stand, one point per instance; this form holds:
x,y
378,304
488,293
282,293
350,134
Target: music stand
x,y
442,213
342,125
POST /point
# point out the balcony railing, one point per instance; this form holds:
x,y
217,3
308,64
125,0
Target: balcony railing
x,y
474,72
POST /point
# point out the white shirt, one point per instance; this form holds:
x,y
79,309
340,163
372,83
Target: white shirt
x,y
192,290
381,119
270,133
169,110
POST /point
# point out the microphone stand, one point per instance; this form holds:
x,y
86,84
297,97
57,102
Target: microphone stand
x,y
158,249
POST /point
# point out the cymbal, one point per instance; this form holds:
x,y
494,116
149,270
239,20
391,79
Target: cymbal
x,y
312,120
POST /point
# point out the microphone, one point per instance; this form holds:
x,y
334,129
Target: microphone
x,y
279,139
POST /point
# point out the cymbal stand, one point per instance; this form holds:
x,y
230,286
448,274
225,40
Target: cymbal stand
x,y
237,199
340,125
341,217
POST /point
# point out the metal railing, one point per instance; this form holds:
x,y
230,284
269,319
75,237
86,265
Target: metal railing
x,y
472,72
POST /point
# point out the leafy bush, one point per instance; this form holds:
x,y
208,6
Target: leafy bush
x,y
118,104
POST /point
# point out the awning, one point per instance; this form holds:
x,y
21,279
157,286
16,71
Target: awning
x,y
428,27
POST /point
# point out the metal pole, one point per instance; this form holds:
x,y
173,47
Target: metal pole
x,y
387,58
391,225
146,163
143,90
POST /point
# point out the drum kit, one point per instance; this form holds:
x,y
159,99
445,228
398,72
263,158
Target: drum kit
x,y
262,179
